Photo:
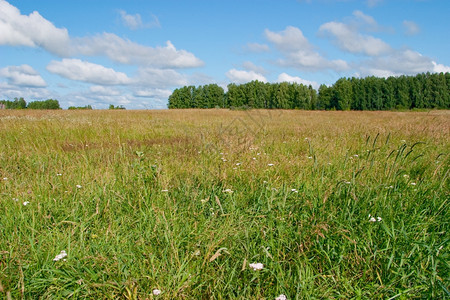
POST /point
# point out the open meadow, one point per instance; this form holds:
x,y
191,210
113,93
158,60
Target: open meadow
x,y
334,205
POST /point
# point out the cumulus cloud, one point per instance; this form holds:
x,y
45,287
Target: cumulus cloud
x,y
8,91
154,77
127,52
31,31
299,53
135,21
23,75
241,76
35,31
400,62
411,28
348,39
439,68
76,69
249,66
153,93
257,48
283,77
105,91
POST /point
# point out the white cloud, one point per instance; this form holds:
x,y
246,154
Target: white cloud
x,y
249,66
162,78
400,62
31,31
153,93
299,53
257,48
240,76
8,91
23,75
105,91
35,31
348,39
283,77
411,28
438,68
76,69
128,52
135,21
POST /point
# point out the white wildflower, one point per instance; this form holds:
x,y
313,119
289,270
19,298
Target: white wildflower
x,y
281,297
58,174
156,292
270,165
254,158
372,219
164,191
310,157
413,183
379,219
256,266
26,203
293,190
78,186
356,155
228,191
60,256
406,176
238,164
5,178
347,182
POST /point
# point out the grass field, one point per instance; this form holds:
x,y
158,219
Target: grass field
x,y
335,205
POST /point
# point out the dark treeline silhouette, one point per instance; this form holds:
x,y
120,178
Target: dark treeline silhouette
x,y
20,103
370,93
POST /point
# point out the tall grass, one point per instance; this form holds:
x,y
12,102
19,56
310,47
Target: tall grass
x,y
183,201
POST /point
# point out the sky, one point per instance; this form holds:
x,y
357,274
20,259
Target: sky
x,y
134,53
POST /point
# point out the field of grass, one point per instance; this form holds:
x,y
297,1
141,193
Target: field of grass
x,y
335,205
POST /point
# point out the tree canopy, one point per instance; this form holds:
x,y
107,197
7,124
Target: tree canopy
x,y
371,93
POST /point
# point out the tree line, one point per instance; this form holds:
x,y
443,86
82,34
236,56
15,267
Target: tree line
x,y
426,90
20,103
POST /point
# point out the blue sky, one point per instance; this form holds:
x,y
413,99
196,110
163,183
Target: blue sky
x,y
135,53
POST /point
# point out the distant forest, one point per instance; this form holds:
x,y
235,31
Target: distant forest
x,y
20,103
423,91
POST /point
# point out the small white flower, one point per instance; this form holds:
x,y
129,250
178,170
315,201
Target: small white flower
x,y
413,183
356,155
60,256
372,219
293,190
310,157
405,176
379,219
347,182
281,297
164,191
5,178
256,266
58,174
228,191
78,186
270,165
26,203
156,292
238,164
254,158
